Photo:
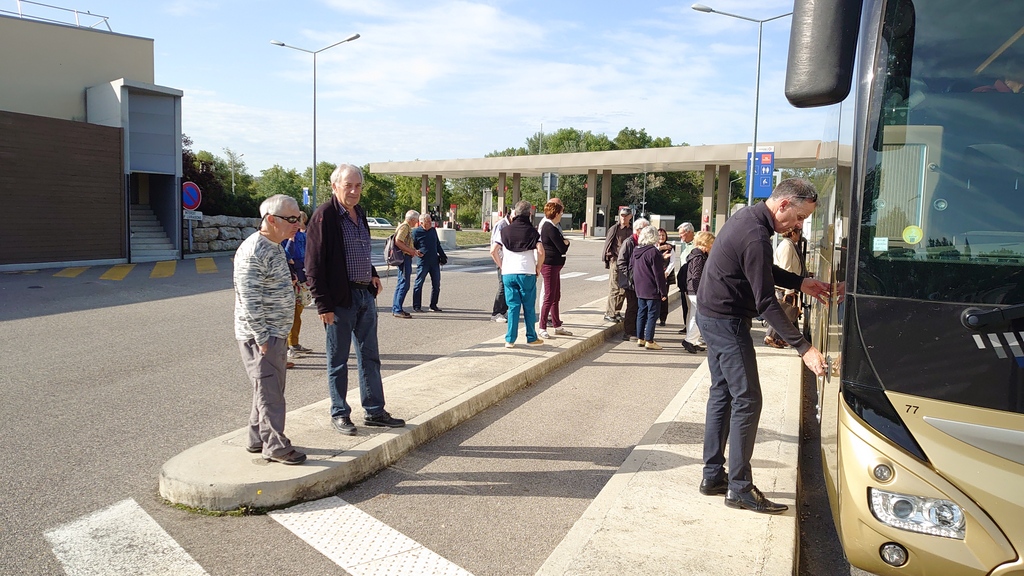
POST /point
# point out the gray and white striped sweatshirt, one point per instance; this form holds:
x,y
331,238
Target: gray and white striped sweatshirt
x,y
264,296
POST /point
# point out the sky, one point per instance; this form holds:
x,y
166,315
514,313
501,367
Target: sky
x,y
442,79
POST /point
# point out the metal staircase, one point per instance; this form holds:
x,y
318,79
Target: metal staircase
x,y
149,241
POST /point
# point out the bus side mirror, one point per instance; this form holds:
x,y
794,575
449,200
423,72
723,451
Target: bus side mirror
x,y
822,51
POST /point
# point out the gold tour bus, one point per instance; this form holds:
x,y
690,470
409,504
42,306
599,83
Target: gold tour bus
x,y
921,220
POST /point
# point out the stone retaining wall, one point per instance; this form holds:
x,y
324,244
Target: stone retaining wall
x,y
219,233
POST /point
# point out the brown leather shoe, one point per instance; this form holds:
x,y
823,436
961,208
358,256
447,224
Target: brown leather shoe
x,y
775,342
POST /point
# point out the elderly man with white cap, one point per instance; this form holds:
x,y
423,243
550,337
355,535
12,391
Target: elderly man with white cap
x,y
617,234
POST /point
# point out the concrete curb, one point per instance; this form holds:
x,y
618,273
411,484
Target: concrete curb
x,y
220,475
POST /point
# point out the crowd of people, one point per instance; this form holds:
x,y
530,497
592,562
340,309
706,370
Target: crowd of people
x,y
726,283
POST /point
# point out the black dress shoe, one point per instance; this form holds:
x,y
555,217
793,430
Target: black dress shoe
x,y
344,425
691,348
436,309
753,501
384,420
714,487
417,310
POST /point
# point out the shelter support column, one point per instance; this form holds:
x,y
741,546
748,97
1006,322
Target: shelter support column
x,y
606,198
707,207
501,193
516,179
424,190
438,187
722,214
591,216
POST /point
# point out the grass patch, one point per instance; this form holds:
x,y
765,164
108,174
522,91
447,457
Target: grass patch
x,y
236,513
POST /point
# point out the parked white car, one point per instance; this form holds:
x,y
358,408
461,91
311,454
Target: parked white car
x,y
378,222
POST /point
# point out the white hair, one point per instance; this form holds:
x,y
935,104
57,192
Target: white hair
x,y
276,203
647,236
640,223
342,168
686,227
425,217
412,215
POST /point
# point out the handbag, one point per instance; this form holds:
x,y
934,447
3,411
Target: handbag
x,y
303,295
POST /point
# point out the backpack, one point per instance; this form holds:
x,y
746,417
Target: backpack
x,y
392,255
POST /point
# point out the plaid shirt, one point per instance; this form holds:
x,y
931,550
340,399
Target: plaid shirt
x,y
357,249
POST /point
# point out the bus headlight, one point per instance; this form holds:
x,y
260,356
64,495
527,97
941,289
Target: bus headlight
x,y
918,513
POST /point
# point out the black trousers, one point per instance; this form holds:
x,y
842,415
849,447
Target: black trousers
x,y
500,306
734,400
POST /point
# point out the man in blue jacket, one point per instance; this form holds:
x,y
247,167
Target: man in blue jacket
x,y
426,242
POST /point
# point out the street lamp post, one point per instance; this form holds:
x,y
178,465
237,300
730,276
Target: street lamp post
x,y
233,174
314,53
757,85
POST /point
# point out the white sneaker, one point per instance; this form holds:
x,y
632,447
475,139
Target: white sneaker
x,y
293,355
499,318
510,345
562,332
544,334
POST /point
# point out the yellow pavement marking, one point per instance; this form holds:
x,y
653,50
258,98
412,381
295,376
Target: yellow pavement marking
x,y
163,269
71,272
117,272
206,266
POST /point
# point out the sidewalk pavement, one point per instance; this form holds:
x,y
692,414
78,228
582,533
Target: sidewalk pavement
x,y
651,503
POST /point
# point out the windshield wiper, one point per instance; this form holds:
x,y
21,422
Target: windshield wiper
x,y
976,318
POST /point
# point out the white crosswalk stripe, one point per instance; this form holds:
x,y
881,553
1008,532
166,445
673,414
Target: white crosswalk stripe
x,y
573,275
490,269
121,539
360,543
600,278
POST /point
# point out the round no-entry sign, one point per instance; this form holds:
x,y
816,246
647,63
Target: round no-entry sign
x,y
191,197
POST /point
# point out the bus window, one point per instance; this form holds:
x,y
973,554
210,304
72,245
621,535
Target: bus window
x,y
944,189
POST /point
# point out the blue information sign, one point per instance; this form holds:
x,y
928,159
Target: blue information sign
x,y
305,196
764,169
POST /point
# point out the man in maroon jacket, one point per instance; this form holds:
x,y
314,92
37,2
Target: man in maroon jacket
x,y
344,285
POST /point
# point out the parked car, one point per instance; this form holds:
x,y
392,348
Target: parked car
x,y
378,222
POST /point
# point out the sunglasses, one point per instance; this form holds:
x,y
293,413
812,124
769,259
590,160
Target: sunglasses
x,y
812,197
288,219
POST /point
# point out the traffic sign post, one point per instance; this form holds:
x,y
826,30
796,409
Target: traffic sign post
x,y
191,198
764,170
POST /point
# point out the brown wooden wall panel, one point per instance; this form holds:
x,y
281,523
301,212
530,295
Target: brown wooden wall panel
x,y
62,183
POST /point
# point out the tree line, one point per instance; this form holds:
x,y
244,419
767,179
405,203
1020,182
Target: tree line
x,y
666,193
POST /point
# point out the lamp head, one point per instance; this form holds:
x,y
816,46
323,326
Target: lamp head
x,y
702,8
351,38
277,43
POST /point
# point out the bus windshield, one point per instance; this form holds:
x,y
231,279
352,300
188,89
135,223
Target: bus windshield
x,y
943,210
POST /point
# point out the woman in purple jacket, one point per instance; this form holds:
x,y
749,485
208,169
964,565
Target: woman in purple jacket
x,y
648,270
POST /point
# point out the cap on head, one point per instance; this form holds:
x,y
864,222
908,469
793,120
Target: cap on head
x,y
625,211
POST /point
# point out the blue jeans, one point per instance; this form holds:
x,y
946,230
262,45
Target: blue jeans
x,y
359,321
734,402
521,294
647,311
434,269
402,288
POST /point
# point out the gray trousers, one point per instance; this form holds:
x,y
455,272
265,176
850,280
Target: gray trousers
x,y
267,374
616,295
